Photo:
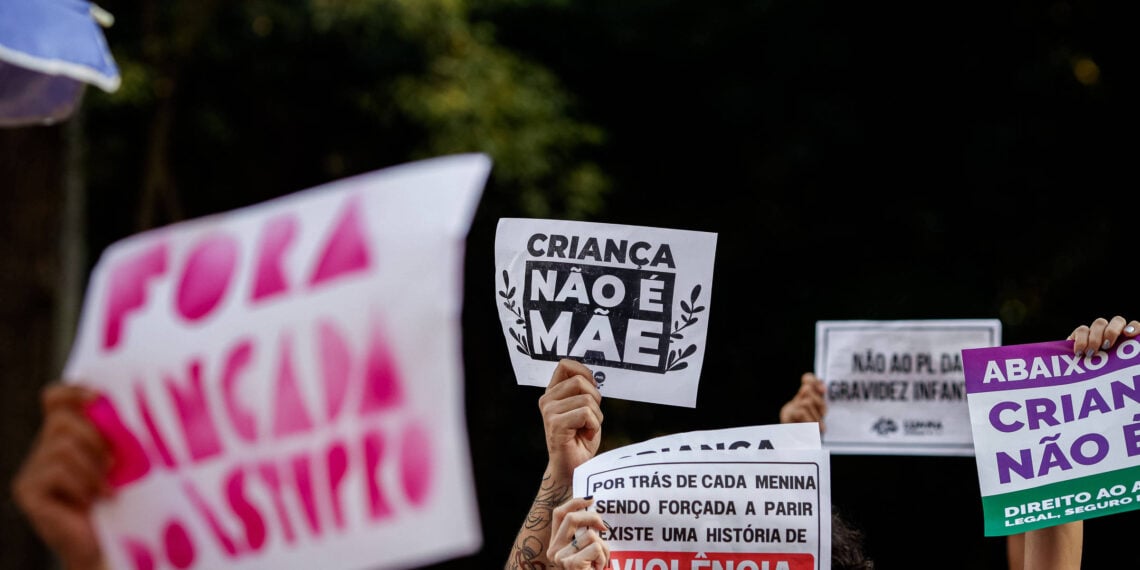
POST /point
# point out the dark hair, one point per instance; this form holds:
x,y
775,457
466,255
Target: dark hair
x,y
847,546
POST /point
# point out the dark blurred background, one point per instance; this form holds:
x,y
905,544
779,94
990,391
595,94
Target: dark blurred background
x,y
902,160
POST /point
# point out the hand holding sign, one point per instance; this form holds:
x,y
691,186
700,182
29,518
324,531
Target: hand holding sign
x,y
1101,333
808,404
1061,546
572,420
572,417
576,543
62,477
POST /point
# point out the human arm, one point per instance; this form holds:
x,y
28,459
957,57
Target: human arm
x,y
572,419
62,477
576,543
1015,551
1051,548
808,404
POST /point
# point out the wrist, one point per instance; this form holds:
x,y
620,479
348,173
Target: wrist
x,y
558,473
553,491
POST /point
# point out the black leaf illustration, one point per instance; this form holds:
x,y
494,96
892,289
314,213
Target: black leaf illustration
x,y
511,293
519,348
504,295
688,309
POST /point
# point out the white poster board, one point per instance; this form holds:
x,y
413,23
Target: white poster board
x,y
283,384
630,302
1058,435
713,500
897,387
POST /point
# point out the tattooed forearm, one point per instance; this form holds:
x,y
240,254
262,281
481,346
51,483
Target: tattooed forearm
x,y
549,496
526,555
529,551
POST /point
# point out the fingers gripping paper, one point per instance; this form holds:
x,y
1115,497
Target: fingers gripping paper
x,y
282,384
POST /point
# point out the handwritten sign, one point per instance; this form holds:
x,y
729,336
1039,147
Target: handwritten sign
x,y
1057,435
707,503
897,387
631,302
282,384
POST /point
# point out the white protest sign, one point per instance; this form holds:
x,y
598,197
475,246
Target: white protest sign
x,y
800,435
283,384
1057,435
697,508
630,302
897,387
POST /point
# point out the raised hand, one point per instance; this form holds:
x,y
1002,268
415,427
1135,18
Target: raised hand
x,y
808,404
62,477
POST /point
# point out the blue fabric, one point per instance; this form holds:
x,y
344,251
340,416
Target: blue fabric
x,y
49,50
28,97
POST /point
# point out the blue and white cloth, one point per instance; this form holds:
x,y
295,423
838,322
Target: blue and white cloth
x,y
49,51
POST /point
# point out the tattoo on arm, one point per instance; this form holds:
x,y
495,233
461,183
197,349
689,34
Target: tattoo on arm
x,y
529,552
525,555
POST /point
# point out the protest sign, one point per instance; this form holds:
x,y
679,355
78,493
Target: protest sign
x,y
799,435
897,387
282,384
1057,436
702,506
630,302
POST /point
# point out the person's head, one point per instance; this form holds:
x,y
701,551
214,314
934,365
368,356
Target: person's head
x,y
847,546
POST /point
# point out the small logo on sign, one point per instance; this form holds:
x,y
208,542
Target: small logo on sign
x,y
885,426
922,427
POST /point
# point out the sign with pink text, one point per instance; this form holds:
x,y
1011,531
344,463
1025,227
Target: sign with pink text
x,y
282,384
1057,435
630,302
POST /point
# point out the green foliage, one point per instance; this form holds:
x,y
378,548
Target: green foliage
x,y
277,96
473,95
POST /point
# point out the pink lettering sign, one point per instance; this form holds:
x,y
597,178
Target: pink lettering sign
x,y
279,384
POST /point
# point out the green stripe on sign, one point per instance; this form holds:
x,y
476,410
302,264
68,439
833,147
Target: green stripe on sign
x,y
1057,503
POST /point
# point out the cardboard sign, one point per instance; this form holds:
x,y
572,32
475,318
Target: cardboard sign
x,y
283,384
1057,435
897,387
715,500
631,302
